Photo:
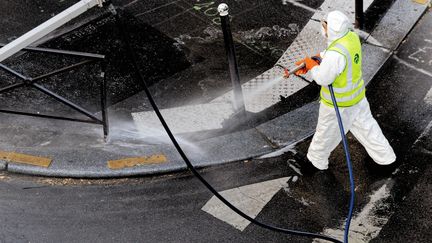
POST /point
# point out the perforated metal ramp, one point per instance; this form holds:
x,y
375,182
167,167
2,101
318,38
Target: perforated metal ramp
x,y
266,89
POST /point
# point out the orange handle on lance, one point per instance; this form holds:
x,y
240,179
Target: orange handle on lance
x,y
287,72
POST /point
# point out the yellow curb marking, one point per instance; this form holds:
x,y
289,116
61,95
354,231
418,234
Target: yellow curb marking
x,y
25,159
131,162
421,1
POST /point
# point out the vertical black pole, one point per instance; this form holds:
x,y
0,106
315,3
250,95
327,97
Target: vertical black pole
x,y
359,16
103,90
232,60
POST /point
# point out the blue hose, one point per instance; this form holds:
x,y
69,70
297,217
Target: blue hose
x,y
348,160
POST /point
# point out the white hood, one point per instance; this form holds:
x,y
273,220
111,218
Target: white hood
x,y
338,25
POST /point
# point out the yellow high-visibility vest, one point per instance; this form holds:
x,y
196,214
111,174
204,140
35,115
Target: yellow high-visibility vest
x,y
349,86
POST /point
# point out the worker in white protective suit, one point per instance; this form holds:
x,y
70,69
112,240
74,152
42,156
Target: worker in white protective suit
x,y
340,66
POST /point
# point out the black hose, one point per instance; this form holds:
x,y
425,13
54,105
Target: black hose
x,y
132,57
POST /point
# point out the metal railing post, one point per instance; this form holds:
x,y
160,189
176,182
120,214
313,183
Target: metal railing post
x,y
103,91
239,105
359,15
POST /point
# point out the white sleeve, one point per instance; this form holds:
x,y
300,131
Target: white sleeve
x,y
332,64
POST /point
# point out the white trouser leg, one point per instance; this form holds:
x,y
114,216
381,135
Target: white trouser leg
x,y
367,131
327,135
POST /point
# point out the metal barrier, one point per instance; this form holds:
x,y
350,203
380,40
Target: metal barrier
x,y
33,83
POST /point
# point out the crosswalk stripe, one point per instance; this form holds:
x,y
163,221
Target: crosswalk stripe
x,y
250,199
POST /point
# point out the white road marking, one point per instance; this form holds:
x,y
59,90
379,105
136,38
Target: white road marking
x,y
153,9
250,199
291,163
424,134
289,148
412,66
422,55
428,97
367,224
298,4
131,3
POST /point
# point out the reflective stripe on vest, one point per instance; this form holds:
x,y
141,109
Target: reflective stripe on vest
x,y
351,92
345,98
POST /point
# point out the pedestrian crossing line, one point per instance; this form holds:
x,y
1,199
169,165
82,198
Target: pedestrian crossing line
x,y
368,222
25,159
428,97
136,161
250,199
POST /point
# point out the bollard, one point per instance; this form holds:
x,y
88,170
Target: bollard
x,y
359,15
239,105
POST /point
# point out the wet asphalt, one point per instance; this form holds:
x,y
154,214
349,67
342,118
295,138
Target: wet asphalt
x,y
168,208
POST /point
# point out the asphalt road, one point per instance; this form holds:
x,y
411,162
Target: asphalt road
x,y
161,209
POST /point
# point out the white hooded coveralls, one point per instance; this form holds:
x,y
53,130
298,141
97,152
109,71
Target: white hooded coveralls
x,y
358,118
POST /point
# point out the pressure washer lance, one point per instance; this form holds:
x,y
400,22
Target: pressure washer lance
x,y
287,73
